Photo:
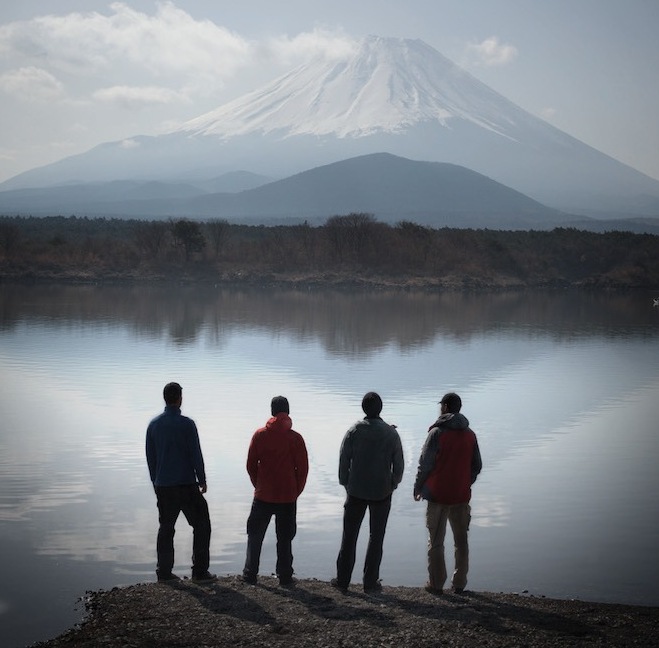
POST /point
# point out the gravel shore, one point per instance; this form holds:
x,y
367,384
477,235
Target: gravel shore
x,y
313,614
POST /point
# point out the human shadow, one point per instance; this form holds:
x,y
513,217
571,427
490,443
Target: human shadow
x,y
492,615
349,606
226,600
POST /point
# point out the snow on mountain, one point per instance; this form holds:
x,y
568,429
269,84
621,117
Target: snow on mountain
x,y
386,86
390,95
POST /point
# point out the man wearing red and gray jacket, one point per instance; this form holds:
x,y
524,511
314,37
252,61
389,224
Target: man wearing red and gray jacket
x,y
278,465
449,464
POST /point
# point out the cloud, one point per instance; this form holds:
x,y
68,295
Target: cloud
x,y
319,42
168,43
129,144
491,53
548,113
31,84
133,97
7,154
124,55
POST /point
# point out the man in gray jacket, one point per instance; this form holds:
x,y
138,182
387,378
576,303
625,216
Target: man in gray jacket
x,y
370,468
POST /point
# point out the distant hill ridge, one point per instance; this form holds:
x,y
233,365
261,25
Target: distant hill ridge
x,y
389,187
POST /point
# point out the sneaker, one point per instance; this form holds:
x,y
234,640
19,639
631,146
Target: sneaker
x,y
250,580
335,583
204,579
376,588
459,591
288,583
433,590
168,578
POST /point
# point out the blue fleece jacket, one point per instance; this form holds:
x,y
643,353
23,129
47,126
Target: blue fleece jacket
x,y
173,452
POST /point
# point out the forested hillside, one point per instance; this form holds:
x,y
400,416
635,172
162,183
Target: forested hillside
x,y
353,249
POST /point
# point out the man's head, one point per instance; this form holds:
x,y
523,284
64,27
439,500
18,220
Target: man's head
x,y
172,393
279,404
372,405
451,403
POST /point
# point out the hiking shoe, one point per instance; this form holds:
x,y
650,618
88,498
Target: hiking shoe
x,y
376,588
288,583
204,579
250,580
335,584
168,578
459,591
433,590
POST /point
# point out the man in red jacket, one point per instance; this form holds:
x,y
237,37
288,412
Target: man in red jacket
x,y
449,464
278,465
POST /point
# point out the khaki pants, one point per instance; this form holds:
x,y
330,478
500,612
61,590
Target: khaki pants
x,y
458,516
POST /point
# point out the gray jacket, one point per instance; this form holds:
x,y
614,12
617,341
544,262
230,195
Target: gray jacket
x,y
371,459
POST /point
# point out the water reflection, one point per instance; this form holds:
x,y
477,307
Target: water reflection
x,y
562,389
346,323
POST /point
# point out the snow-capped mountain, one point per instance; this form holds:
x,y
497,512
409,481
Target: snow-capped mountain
x,y
390,95
388,86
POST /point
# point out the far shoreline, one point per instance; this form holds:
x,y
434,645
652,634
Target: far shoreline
x,y
338,282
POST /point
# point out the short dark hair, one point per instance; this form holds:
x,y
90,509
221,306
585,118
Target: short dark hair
x,y
372,405
172,393
279,404
452,401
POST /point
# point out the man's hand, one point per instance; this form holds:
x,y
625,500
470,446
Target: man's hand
x,y
202,488
417,497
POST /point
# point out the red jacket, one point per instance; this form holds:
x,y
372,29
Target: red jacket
x,y
277,461
450,461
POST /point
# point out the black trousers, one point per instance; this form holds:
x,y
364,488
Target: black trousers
x,y
354,510
285,528
171,501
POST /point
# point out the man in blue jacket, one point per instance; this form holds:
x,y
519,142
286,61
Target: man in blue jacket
x,y
176,467
370,467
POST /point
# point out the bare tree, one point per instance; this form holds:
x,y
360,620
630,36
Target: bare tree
x,y
189,236
9,237
218,234
150,236
349,235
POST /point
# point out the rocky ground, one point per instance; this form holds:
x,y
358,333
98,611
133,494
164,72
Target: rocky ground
x,y
231,613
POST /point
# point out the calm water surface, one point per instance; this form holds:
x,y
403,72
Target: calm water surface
x,y
562,390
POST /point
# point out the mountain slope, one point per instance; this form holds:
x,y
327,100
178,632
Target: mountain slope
x,y
387,86
390,187
391,95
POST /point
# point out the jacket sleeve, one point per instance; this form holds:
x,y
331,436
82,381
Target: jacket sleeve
x,y
151,457
252,461
197,456
476,462
301,464
427,459
398,462
345,458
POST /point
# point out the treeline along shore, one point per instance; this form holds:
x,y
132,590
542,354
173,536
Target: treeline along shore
x,y
354,249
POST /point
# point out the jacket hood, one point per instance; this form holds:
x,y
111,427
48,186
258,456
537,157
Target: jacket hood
x,y
451,422
281,422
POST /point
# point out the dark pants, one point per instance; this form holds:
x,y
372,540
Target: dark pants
x,y
285,527
354,510
171,501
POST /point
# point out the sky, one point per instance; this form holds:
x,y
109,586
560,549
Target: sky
x,y
77,73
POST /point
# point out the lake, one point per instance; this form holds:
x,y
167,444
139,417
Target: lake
x,y
562,389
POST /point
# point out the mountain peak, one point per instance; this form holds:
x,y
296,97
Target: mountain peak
x,y
385,86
